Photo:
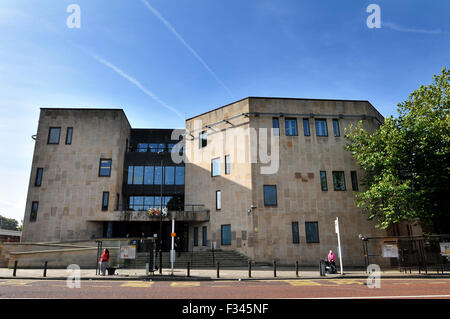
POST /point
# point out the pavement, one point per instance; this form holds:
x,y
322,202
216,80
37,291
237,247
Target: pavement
x,y
259,273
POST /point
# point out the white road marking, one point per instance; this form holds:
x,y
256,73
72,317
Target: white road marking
x,y
383,297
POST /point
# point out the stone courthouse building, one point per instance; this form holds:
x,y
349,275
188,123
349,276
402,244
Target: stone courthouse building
x,y
263,176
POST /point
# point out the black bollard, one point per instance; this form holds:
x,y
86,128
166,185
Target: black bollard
x,y
15,268
188,269
296,268
218,270
274,268
45,269
249,269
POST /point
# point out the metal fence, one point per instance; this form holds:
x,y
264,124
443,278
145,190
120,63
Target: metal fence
x,y
424,253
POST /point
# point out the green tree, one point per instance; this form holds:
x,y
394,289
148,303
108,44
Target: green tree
x,y
407,160
8,223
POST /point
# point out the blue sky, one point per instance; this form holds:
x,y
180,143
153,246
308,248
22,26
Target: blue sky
x,y
162,60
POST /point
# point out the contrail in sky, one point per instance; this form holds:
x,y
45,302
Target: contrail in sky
x,y
136,83
187,46
400,28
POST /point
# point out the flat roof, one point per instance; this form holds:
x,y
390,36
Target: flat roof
x,y
282,98
86,109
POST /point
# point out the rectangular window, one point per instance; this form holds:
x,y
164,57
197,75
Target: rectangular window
x,y
131,203
105,167
148,175
270,195
169,178
39,173
157,202
227,164
149,202
158,175
276,126
295,235
204,236
142,147
312,232
105,201
336,128
306,130
179,175
321,128
203,139
69,135
354,180
226,234
339,181
138,202
117,202
218,200
130,175
195,236
154,148
138,175
167,200
291,126
53,135
215,167
34,211
323,180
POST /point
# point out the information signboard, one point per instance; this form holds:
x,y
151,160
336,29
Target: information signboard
x,y
128,252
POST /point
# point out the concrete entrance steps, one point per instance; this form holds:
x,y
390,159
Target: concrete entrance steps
x,y
197,259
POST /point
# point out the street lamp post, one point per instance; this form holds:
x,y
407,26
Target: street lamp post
x,y
160,221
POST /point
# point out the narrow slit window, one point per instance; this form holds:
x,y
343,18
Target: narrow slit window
x,y
295,234
218,200
276,126
34,211
354,180
306,129
69,135
336,128
105,201
39,174
323,180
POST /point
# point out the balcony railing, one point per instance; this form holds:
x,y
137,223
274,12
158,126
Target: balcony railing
x,y
159,149
190,212
186,208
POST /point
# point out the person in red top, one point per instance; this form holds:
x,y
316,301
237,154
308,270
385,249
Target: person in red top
x,y
104,261
332,261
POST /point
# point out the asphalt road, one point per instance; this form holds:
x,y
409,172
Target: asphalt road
x,y
252,289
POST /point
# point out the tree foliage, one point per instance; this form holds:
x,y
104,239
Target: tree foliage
x,y
407,160
8,223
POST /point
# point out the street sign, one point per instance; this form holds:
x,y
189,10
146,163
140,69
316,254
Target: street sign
x,y
173,234
336,225
336,228
128,252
